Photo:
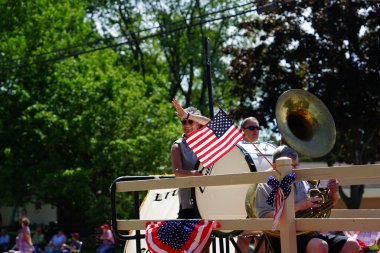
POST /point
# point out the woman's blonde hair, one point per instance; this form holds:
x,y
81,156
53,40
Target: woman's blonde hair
x,y
25,221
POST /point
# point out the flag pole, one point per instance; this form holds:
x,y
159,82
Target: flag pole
x,y
262,154
258,150
207,77
265,158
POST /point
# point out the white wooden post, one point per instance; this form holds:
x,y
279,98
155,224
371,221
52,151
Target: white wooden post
x,y
287,220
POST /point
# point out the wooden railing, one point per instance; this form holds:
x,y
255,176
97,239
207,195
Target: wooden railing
x,y
340,220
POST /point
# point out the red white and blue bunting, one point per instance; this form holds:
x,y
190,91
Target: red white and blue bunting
x,y
280,192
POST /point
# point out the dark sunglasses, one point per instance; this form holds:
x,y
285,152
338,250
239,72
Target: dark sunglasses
x,y
187,121
252,128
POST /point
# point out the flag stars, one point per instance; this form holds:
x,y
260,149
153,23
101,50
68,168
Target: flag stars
x,y
220,124
285,185
176,233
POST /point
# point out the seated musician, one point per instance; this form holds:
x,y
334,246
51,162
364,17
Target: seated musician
x,y
308,242
251,129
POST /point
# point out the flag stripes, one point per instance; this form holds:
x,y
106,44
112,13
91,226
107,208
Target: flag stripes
x,y
214,140
178,236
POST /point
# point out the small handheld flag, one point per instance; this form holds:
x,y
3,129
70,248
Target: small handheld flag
x,y
212,141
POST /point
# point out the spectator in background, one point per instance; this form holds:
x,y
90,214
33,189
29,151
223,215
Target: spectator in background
x,y
56,242
38,239
23,240
73,245
5,240
51,230
108,242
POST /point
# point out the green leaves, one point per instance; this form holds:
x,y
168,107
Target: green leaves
x,y
328,56
69,127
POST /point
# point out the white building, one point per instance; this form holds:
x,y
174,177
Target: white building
x,y
41,215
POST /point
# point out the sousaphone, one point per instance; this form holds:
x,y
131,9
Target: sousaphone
x,y
306,125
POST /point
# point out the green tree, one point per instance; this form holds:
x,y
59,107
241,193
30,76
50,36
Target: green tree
x,y
71,125
24,33
179,53
328,48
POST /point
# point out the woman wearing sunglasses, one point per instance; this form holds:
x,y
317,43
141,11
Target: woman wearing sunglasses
x,y
183,158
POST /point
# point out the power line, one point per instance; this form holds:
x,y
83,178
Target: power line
x,y
73,54
124,35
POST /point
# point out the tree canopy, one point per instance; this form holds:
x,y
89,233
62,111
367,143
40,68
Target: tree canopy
x,y
329,49
85,86
69,127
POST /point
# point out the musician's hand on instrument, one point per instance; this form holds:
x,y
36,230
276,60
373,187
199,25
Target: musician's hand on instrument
x,y
308,203
333,185
180,112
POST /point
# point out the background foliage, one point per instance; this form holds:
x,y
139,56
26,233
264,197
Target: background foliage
x,y
330,49
85,86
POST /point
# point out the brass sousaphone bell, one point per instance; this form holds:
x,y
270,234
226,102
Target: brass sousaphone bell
x,y
305,124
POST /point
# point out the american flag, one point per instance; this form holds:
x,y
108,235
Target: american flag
x,y
178,236
212,141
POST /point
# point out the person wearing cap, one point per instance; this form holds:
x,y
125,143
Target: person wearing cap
x,y
73,245
108,242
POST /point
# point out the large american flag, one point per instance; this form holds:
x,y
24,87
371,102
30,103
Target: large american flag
x,y
212,141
